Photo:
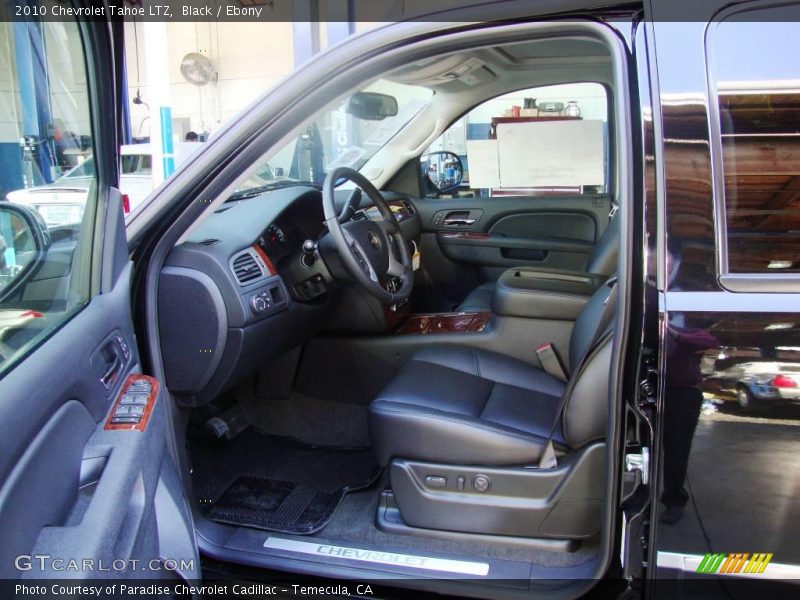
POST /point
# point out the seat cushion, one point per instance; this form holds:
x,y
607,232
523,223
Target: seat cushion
x,y
462,405
479,299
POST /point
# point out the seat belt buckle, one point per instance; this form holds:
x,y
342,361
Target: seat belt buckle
x,y
548,459
550,361
612,281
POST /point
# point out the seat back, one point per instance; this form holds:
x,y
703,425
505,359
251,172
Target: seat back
x,y
585,410
603,257
586,325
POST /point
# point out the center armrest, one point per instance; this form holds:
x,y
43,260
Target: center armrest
x,y
543,293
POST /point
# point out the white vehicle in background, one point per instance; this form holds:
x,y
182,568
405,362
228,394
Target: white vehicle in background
x,y
762,381
62,202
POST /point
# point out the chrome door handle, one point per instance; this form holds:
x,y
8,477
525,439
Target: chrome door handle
x,y
112,372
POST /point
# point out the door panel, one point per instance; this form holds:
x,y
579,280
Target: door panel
x,y
51,405
469,241
71,487
544,225
51,462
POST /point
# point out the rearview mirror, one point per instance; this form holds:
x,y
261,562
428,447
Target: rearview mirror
x,y
443,171
369,106
23,240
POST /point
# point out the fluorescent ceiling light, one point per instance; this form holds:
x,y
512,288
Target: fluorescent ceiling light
x,y
780,264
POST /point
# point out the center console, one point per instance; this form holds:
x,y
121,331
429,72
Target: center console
x,y
459,322
532,293
520,292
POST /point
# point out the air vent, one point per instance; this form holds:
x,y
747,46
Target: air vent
x,y
246,268
358,216
409,207
209,242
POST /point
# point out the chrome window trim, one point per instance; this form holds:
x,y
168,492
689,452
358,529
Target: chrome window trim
x,y
717,302
734,282
658,143
767,283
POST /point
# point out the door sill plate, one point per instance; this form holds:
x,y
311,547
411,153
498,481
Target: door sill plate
x,y
412,561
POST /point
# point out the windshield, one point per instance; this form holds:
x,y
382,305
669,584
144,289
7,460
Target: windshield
x,y
337,138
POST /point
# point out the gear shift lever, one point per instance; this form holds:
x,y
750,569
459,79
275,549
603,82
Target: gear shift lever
x,y
309,253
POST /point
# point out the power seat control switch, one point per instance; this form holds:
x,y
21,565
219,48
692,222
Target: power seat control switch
x,y
436,481
482,484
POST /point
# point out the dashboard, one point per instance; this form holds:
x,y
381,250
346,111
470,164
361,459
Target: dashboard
x,y
240,291
286,234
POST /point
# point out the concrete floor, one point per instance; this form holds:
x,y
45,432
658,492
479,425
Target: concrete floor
x,y
744,480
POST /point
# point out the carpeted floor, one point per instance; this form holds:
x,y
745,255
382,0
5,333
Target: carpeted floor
x,y
275,483
308,419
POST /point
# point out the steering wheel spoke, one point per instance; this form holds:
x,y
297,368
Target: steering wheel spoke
x,y
358,252
396,268
366,266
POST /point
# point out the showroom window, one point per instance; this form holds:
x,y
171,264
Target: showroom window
x,y
756,93
136,164
544,141
47,178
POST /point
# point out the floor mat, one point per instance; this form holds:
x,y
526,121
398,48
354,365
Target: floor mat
x,y
275,483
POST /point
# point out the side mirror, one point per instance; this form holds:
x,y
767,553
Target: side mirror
x,y
443,171
369,106
23,240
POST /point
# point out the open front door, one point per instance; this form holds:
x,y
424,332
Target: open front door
x,y
88,488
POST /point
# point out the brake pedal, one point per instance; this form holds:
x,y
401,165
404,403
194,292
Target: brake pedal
x,y
229,424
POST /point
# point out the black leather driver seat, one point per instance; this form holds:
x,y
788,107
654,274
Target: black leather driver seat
x,y
465,406
461,405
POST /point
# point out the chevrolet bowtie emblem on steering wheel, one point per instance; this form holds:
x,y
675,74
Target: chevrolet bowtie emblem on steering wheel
x,y
374,240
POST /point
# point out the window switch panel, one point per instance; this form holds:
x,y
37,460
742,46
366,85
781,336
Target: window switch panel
x,y
133,399
132,409
125,419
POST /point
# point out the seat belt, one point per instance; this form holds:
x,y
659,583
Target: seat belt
x,y
550,362
601,334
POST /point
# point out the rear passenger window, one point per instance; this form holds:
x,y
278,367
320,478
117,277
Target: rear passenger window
x,y
755,85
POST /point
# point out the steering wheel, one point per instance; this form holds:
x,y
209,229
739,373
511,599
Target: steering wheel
x,y
370,251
